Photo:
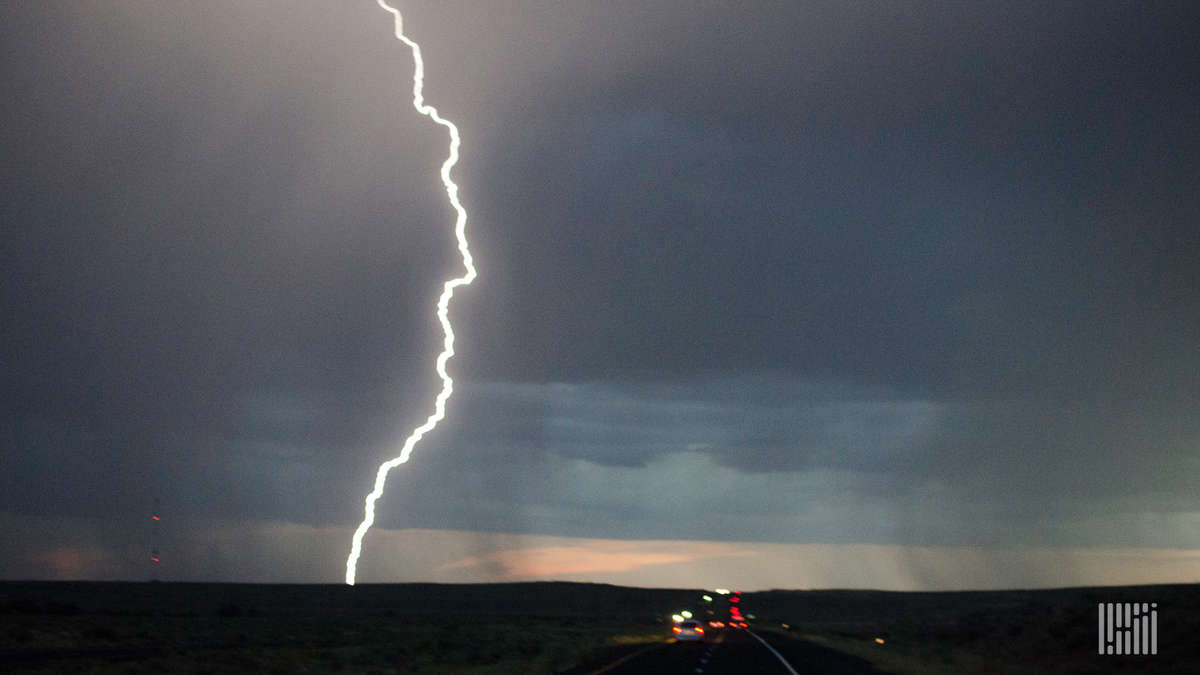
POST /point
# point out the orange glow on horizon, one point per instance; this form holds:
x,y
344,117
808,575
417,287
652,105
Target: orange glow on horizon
x,y
594,557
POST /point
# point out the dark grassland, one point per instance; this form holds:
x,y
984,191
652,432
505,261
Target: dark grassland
x,y
485,629
1041,631
532,628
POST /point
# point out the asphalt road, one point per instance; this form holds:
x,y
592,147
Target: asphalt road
x,y
737,652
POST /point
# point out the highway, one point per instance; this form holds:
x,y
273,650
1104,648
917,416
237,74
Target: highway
x,y
736,652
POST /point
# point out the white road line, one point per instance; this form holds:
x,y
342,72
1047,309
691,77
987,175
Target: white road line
x,y
777,654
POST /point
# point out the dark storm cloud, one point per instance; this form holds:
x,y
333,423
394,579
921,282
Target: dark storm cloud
x,y
939,207
172,275
936,210
939,260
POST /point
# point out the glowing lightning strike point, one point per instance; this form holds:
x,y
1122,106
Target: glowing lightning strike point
x,y
443,306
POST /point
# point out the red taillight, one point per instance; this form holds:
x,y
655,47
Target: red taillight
x,y
699,630
676,628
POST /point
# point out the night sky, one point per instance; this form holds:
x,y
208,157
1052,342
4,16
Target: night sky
x,y
791,294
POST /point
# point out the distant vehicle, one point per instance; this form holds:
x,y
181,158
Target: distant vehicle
x,y
688,631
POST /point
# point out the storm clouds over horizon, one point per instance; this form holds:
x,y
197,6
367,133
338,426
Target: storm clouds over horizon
x,y
925,274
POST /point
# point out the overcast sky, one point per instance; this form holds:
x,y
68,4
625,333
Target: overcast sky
x,y
821,278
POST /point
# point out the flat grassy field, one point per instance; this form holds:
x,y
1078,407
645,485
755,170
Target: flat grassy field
x,y
412,628
478,629
1037,631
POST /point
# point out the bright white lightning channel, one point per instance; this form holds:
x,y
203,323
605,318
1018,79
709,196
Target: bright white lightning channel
x,y
443,306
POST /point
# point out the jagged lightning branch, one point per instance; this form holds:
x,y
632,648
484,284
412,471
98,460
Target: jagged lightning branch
x,y
443,306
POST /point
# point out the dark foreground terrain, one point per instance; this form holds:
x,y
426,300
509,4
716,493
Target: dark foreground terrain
x,y
486,629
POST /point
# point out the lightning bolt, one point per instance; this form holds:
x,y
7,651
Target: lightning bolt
x,y
443,306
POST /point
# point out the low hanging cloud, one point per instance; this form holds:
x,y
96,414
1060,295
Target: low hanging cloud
x,y
754,424
278,552
796,461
